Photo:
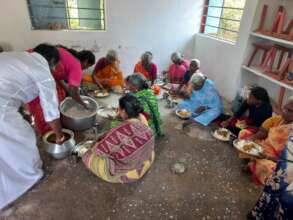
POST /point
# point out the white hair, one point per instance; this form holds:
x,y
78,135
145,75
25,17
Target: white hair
x,y
196,61
176,56
197,79
112,54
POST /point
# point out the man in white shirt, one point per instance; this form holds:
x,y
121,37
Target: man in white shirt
x,y
23,77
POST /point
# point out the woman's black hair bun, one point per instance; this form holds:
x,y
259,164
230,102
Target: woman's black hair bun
x,y
131,105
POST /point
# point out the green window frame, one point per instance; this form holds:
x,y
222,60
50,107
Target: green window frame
x,y
67,14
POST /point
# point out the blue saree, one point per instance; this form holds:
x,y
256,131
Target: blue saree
x,y
209,97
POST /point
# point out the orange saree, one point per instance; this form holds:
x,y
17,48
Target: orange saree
x,y
110,76
273,145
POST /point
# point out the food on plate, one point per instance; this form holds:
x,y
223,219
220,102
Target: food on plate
x,y
184,113
101,93
241,124
223,133
248,147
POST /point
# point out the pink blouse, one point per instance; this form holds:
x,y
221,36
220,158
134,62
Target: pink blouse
x,y
72,71
176,72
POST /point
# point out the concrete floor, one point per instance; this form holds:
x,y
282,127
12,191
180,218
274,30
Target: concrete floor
x,y
213,186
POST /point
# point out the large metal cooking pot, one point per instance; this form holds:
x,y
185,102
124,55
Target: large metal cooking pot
x,y
59,151
80,123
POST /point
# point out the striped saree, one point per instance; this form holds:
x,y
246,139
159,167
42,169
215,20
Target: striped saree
x,y
124,154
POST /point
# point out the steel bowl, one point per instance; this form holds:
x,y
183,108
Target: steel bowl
x,y
81,148
82,123
59,151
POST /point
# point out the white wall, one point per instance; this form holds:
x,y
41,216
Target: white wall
x,y
14,25
221,60
133,26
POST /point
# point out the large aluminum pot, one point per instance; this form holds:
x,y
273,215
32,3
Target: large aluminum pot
x,y
78,123
59,151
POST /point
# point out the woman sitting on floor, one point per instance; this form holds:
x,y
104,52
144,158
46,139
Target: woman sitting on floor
x,y
204,101
272,137
259,109
146,67
138,86
107,74
276,200
126,152
177,70
193,68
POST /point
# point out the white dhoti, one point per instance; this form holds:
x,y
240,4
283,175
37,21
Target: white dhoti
x,y
20,163
23,77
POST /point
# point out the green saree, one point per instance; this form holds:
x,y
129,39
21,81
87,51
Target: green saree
x,y
150,106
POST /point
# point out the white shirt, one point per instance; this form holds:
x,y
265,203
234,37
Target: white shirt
x,y
23,77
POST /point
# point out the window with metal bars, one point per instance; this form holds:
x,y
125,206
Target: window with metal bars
x,y
221,18
67,14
